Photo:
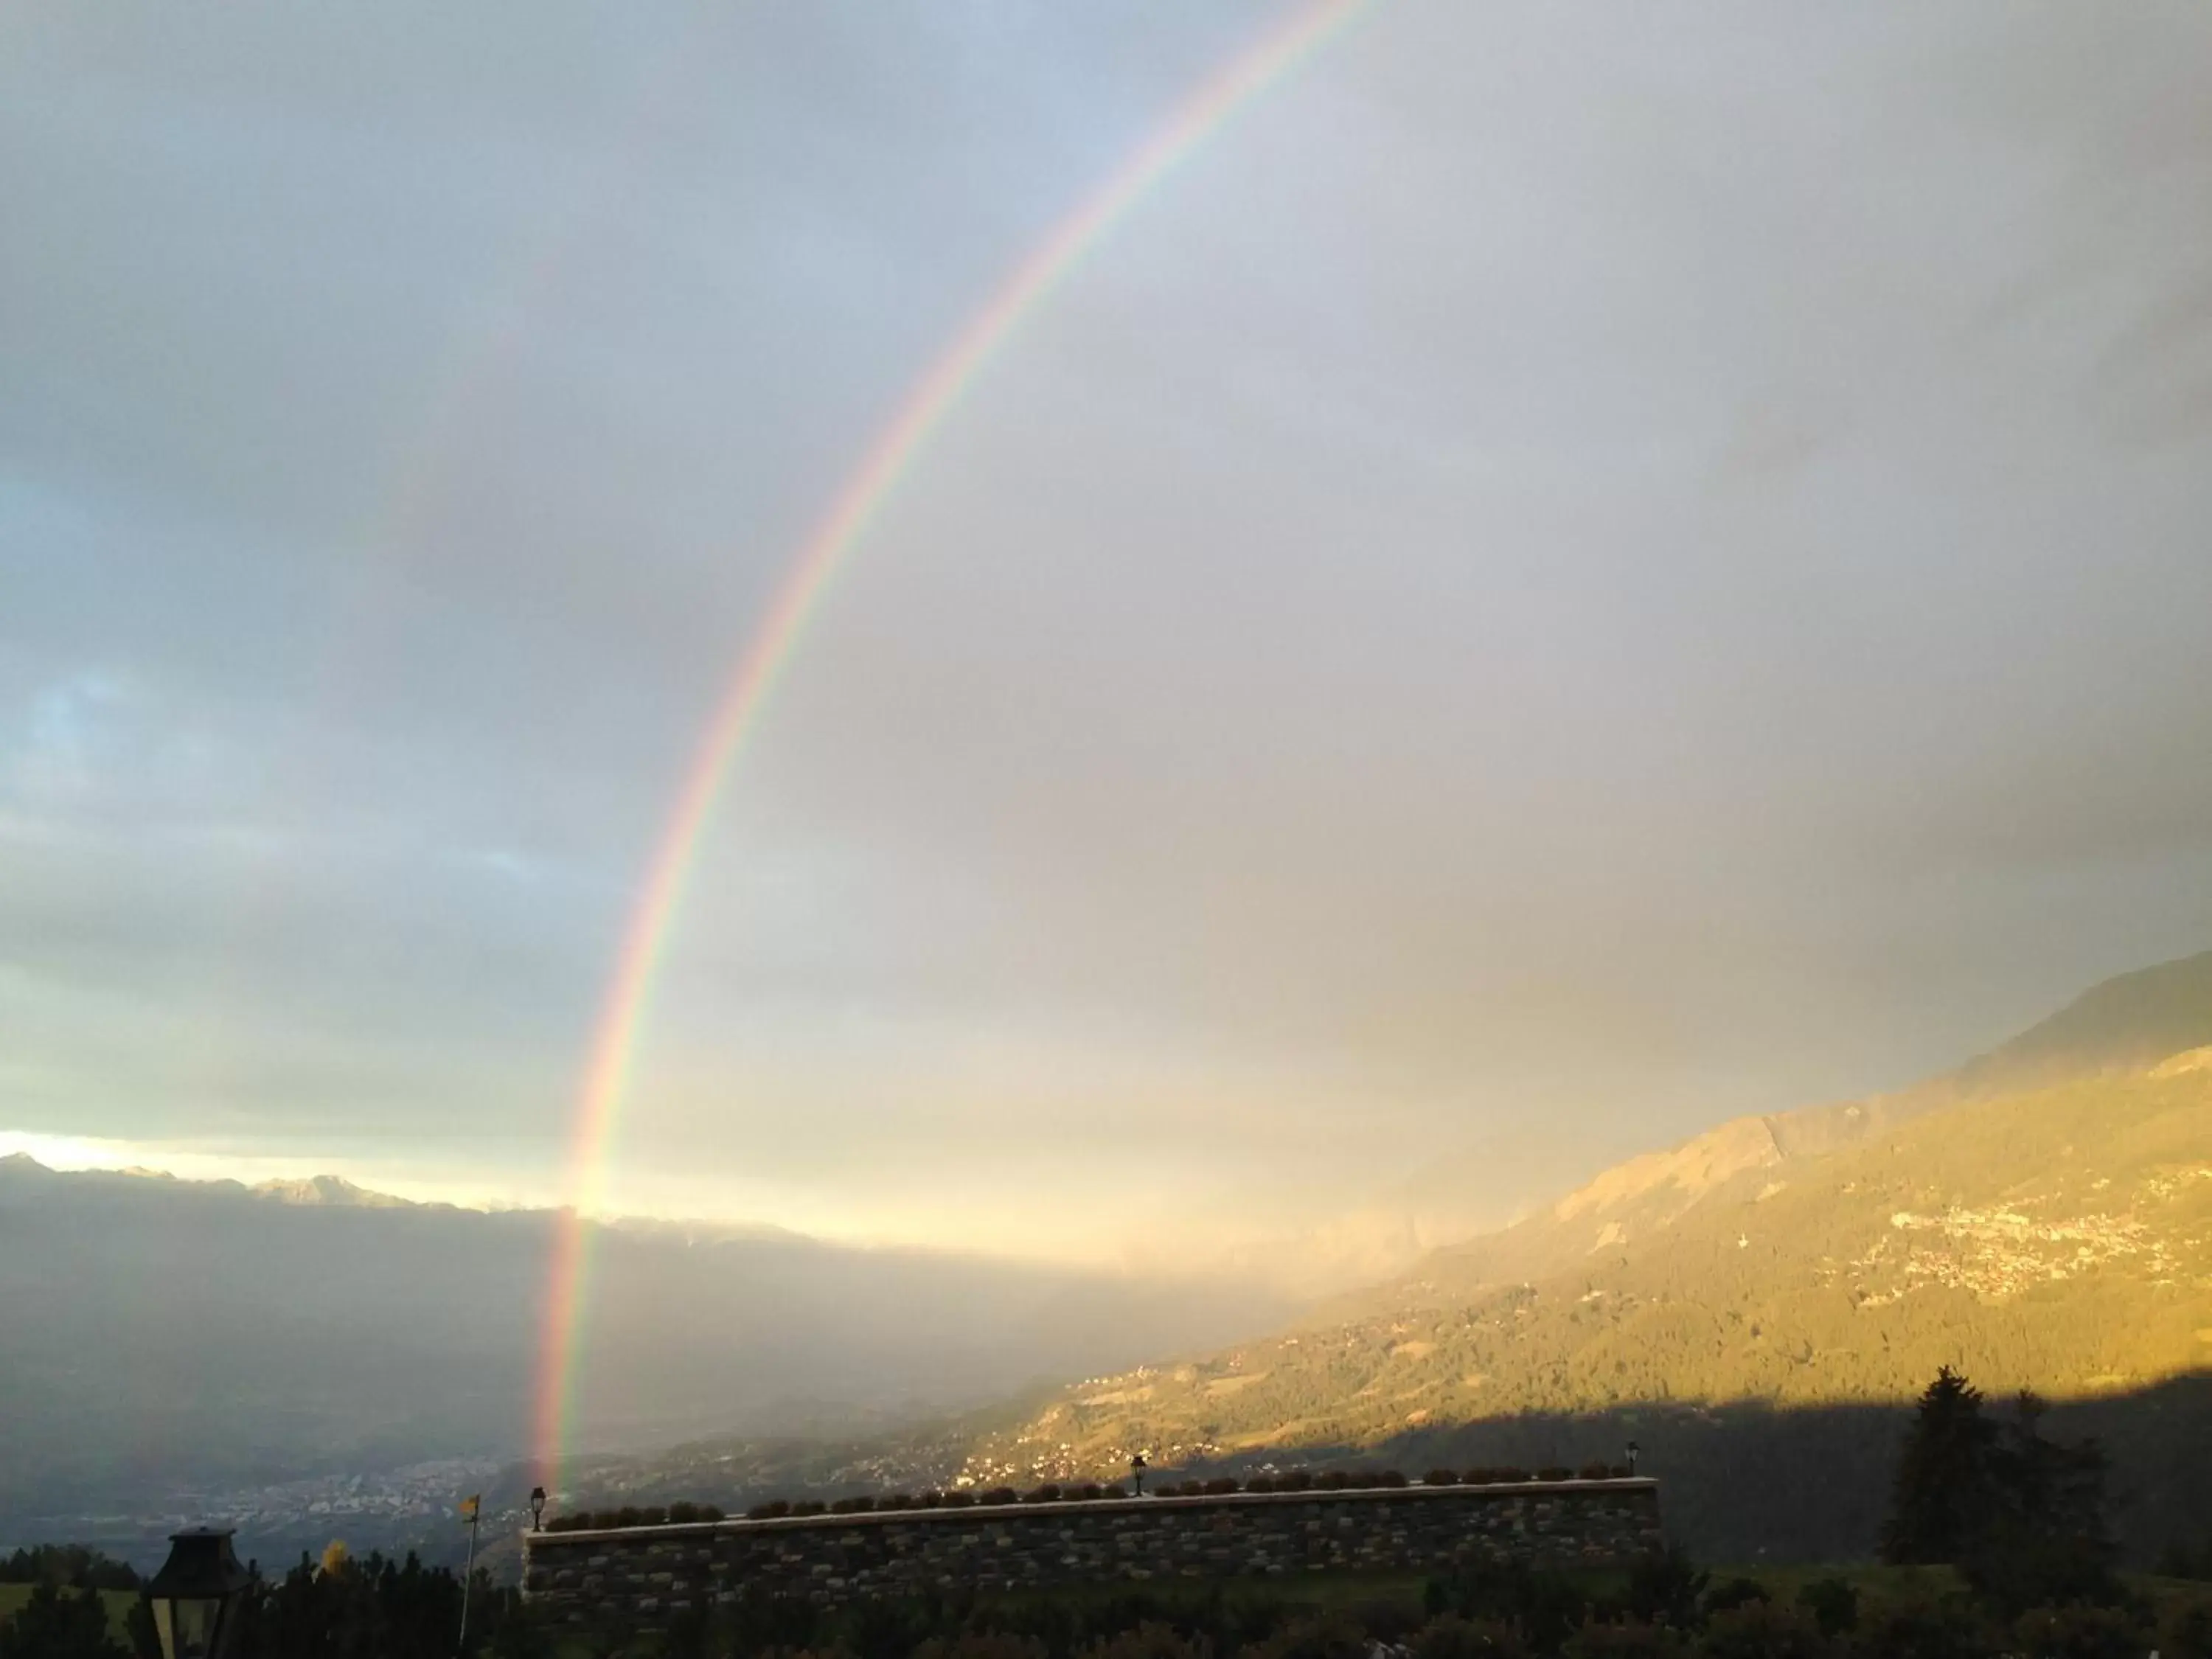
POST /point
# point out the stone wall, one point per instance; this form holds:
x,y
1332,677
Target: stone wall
x,y
640,1577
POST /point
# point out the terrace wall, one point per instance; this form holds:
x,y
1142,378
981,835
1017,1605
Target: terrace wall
x,y
639,1578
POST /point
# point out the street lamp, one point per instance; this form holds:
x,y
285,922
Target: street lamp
x,y
538,1509
1137,1473
195,1596
1633,1449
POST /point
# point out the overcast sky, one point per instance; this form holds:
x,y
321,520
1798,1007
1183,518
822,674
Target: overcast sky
x,y
1577,570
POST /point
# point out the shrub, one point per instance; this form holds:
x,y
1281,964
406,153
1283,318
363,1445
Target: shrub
x,y
1000,1495
2186,1633
1323,1637
1260,1483
653,1516
1734,1593
1295,1480
1620,1472
1047,1493
1151,1640
929,1500
2079,1632
809,1506
1441,1478
894,1500
1597,1471
852,1506
1220,1486
628,1516
1089,1492
1112,1489
1390,1477
957,1500
1759,1629
1666,1589
1555,1472
1833,1603
982,1644
772,1509
1631,1639
681,1514
1924,1630
1450,1636
1332,1480
1508,1473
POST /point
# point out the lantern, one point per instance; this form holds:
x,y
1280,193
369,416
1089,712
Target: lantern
x,y
195,1596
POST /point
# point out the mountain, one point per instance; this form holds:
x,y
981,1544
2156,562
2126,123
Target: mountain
x,y
2041,1217
174,1344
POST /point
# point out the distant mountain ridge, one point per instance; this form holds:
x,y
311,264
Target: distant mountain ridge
x,y
2122,1025
2041,1216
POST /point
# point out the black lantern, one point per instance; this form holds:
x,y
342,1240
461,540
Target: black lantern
x,y
195,1596
1137,1473
1633,1449
536,1508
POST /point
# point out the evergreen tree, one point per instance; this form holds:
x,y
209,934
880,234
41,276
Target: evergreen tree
x,y
59,1624
1941,1498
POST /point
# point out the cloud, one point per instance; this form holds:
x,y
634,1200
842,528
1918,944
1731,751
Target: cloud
x,y
1551,575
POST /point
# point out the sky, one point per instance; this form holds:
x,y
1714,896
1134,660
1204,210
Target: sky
x,y
1572,572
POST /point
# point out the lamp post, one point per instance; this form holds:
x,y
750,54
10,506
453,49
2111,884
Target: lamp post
x,y
1137,1473
195,1596
1633,1449
538,1509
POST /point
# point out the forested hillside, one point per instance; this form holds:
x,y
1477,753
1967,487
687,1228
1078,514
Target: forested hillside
x,y
1745,1305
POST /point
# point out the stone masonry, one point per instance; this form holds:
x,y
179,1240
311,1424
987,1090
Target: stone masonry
x,y
639,1578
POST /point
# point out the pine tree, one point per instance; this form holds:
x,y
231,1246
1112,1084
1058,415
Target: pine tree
x,y
1941,1500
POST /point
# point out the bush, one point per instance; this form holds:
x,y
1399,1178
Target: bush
x,y
1260,1483
982,1644
629,1517
1000,1495
1555,1472
1112,1489
1332,1480
1046,1493
1089,1492
893,1500
1924,1630
1312,1638
932,1499
1833,1604
1665,1588
1151,1640
957,1500
680,1514
2079,1632
1759,1629
2186,1633
775,1508
1508,1473
652,1516
809,1506
1295,1480
1734,1593
1450,1636
1441,1478
1630,1639
1597,1471
1619,1471
1220,1487
852,1506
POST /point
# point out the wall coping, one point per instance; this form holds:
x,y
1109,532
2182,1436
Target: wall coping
x,y
970,1514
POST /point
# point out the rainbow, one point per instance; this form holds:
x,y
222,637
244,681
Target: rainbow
x,y
856,507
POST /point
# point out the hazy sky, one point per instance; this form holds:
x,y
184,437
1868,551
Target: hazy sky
x,y
1578,570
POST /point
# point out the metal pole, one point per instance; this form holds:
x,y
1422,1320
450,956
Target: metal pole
x,y
468,1573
